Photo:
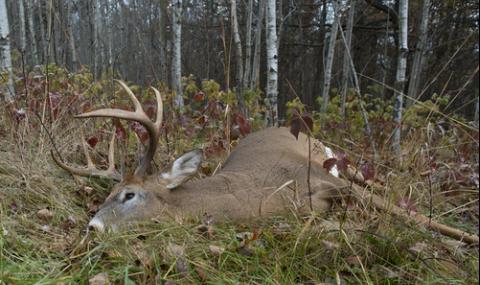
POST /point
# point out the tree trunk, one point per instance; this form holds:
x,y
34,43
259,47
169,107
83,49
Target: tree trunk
x,y
248,46
330,54
43,39
272,64
254,79
71,38
418,59
177,52
238,55
32,32
97,29
400,74
475,118
6,60
21,26
162,38
346,62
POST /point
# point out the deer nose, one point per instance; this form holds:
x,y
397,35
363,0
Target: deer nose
x,y
96,225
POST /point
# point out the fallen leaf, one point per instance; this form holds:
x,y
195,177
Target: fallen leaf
x,y
216,250
329,163
354,260
418,247
88,189
99,279
45,214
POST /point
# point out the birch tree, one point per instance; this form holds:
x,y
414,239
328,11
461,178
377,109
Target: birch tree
x,y
21,26
238,53
71,37
327,76
248,45
32,32
6,60
272,64
346,61
177,52
418,59
255,72
400,73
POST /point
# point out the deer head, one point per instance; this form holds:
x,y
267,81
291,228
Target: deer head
x,y
134,198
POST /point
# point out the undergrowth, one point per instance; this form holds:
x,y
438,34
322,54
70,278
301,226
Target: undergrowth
x,y
44,210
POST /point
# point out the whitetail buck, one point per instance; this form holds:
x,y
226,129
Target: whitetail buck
x,y
264,175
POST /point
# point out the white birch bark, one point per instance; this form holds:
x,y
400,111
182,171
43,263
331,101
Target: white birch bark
x,y
6,60
21,26
31,29
238,54
177,52
272,64
255,75
418,59
346,61
400,74
327,76
248,45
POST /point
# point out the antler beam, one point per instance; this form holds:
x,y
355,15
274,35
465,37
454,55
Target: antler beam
x,y
153,127
91,169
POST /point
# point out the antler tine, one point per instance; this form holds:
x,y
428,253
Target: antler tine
x,y
159,118
153,128
85,150
91,170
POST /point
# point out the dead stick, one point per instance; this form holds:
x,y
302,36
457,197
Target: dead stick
x,y
418,219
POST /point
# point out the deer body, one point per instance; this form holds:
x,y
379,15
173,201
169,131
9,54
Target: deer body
x,y
257,167
246,187
265,174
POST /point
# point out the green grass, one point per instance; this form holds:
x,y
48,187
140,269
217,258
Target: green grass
x,y
290,249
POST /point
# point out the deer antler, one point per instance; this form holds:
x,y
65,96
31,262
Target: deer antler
x,y
91,170
153,129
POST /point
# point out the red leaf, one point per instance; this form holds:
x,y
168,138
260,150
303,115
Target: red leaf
x,y
199,96
120,132
86,107
368,171
303,123
140,131
20,114
342,164
329,163
242,123
92,141
150,108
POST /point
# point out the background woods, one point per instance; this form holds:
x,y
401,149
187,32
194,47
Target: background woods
x,y
227,41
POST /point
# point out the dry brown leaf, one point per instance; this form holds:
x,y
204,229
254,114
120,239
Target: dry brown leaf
x,y
87,189
99,279
45,214
330,245
175,250
354,260
216,250
143,256
418,247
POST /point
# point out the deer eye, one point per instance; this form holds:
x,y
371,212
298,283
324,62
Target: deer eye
x,y
129,196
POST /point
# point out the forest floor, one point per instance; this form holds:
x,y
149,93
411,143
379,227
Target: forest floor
x,y
44,239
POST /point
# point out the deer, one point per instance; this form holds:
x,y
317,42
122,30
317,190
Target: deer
x,y
265,174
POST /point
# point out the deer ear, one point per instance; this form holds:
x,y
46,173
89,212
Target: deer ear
x,y
183,168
